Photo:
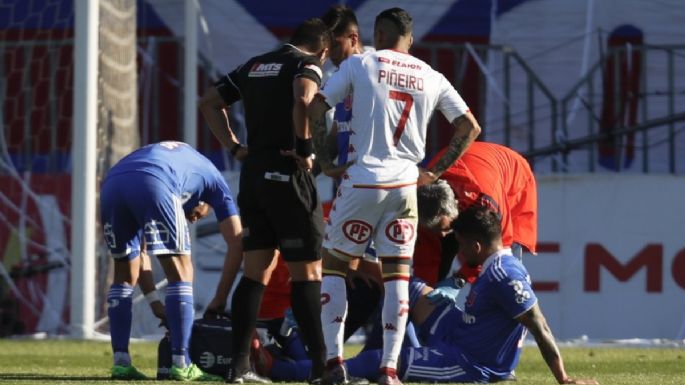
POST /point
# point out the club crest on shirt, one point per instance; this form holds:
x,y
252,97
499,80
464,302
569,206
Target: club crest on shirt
x,y
260,70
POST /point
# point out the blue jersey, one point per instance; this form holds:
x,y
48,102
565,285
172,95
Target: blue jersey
x,y
146,198
487,332
342,117
185,172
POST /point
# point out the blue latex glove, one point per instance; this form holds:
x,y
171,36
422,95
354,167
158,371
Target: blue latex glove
x,y
441,295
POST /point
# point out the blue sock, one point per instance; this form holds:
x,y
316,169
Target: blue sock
x,y
180,314
119,310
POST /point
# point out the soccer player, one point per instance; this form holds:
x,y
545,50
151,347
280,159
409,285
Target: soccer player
x,y
481,343
488,175
346,42
393,97
147,199
278,200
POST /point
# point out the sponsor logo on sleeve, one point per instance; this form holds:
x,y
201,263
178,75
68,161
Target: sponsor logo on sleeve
x,y
260,70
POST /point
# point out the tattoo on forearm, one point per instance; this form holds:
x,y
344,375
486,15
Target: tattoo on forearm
x,y
455,149
323,153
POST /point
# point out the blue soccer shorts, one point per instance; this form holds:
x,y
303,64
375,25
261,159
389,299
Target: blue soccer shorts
x,y
137,209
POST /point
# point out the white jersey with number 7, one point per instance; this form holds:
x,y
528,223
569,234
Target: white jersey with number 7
x,y
394,95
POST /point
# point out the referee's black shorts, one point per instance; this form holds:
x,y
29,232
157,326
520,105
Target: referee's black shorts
x,y
281,210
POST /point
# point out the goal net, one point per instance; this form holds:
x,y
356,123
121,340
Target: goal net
x,y
36,97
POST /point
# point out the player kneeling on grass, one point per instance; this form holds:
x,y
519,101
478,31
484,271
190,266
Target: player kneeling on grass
x,y
146,199
482,342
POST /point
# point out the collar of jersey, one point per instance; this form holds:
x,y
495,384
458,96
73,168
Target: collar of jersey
x,y
493,256
303,51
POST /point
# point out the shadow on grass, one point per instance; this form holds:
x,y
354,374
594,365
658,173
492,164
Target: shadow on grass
x,y
47,377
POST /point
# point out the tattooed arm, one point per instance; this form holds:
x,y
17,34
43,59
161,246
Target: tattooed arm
x,y
324,147
466,130
536,323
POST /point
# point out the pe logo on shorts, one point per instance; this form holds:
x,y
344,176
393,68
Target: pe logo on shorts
x,y
357,231
400,231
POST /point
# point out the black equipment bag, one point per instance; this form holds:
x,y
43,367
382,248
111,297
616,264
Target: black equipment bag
x,y
210,348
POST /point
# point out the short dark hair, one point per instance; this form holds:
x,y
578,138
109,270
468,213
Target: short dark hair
x,y
399,17
339,18
312,35
478,223
434,200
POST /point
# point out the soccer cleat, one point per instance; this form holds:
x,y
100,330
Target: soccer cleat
x,y
337,375
120,372
248,377
192,373
385,379
388,377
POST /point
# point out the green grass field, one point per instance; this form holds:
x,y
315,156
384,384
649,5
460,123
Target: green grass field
x,y
78,362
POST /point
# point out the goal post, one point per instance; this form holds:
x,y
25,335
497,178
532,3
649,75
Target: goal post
x,y
84,168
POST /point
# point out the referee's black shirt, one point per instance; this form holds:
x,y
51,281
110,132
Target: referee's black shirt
x,y
265,84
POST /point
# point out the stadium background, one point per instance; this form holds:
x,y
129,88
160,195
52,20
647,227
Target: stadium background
x,y
591,91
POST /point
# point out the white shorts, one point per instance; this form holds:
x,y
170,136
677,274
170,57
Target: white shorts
x,y
388,217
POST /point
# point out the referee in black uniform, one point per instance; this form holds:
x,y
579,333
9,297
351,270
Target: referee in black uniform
x,y
278,199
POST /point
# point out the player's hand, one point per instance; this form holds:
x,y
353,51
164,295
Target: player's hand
x,y
425,177
304,163
581,381
335,172
216,309
441,295
159,312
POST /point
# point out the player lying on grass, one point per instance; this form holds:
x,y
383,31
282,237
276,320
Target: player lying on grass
x,y
482,342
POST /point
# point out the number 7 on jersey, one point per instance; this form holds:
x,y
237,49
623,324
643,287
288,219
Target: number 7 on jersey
x,y
408,103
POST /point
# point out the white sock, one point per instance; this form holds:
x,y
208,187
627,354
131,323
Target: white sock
x,y
122,359
333,314
395,313
179,360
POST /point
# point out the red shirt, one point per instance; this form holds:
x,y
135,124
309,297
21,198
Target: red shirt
x,y
495,176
